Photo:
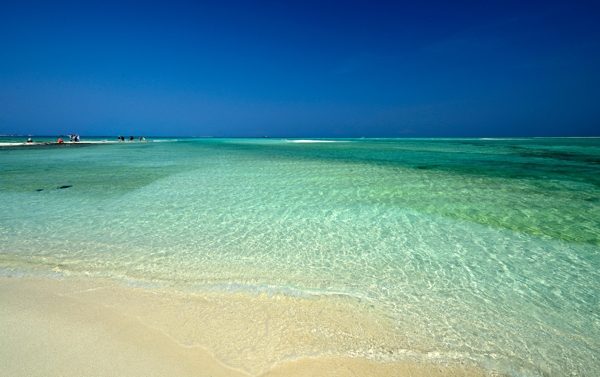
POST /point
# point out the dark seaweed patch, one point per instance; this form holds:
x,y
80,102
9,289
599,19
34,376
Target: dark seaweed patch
x,y
426,167
64,187
38,190
557,155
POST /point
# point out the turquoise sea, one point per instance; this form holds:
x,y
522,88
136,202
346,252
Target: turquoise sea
x,y
486,250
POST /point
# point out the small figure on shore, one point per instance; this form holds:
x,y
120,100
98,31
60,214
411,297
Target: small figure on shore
x,y
130,138
142,138
29,140
60,141
119,137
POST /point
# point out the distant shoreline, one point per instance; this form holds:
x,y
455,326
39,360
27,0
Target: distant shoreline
x,y
44,143
91,140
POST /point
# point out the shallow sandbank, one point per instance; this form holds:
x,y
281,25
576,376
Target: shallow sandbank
x,y
43,143
90,327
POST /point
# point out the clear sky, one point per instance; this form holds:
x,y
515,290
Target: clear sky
x,y
300,69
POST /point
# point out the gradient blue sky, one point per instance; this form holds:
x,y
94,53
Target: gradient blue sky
x,y
300,69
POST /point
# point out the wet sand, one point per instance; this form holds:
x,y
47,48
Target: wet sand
x,y
80,327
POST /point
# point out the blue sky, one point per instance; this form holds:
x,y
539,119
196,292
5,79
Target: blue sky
x,y
300,69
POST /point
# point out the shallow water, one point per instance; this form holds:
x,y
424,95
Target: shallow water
x,y
483,250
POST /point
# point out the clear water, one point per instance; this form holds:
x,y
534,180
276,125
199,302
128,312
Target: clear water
x,y
485,249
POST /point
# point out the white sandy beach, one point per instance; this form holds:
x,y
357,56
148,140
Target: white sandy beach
x,y
98,328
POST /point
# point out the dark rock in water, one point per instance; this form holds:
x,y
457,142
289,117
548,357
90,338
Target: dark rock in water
x,y
63,187
39,190
427,167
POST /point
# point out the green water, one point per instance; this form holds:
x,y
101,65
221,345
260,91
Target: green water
x,y
486,250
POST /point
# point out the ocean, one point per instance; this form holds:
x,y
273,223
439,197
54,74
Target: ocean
x,y
485,251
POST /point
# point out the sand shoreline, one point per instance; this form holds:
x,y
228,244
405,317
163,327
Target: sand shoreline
x,y
95,327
